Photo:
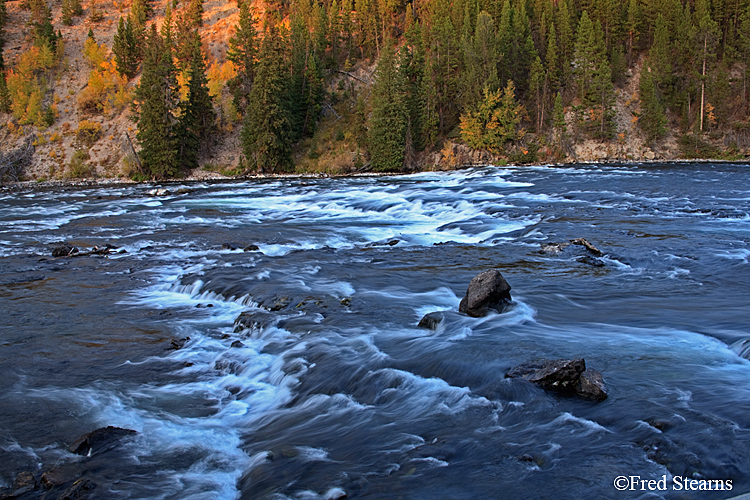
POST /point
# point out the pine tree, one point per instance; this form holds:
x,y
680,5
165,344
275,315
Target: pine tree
x,y
660,55
242,52
67,13
652,118
197,124
558,118
141,11
4,95
189,21
479,60
157,96
387,125
41,22
593,72
267,129
126,48
706,37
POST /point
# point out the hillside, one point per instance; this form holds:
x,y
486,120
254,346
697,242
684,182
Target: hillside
x,y
601,115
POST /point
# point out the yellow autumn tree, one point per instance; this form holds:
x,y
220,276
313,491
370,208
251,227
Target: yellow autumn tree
x,y
495,121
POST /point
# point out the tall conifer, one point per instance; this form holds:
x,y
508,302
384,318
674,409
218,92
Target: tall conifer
x,y
157,96
197,124
388,123
267,128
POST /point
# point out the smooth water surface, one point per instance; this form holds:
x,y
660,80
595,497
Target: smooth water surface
x,y
334,389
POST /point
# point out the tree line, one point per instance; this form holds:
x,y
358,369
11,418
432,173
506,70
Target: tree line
x,y
494,73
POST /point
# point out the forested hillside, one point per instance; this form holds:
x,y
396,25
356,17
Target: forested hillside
x,y
154,89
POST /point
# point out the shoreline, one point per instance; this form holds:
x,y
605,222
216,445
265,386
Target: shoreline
x,y
216,177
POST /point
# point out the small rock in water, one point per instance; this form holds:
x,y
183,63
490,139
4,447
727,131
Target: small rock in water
x,y
552,248
176,344
52,478
563,375
488,290
251,248
63,250
23,482
431,320
588,246
591,386
237,344
346,301
158,192
99,440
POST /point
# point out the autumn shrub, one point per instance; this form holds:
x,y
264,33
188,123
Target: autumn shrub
x,y
494,122
27,87
218,75
106,92
88,132
79,166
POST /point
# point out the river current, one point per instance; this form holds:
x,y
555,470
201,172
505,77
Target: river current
x,y
327,387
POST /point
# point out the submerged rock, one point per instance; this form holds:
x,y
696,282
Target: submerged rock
x,y
488,290
431,320
591,261
237,344
100,440
253,321
568,376
79,490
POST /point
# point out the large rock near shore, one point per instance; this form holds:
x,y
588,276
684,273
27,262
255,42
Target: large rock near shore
x,y
568,376
488,290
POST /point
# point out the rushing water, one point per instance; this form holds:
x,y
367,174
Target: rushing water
x,y
334,389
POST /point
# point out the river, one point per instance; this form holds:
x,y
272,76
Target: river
x,y
330,388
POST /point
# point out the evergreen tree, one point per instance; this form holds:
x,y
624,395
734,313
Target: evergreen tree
x,y
189,21
197,124
41,23
242,52
267,130
652,119
4,95
157,96
660,55
67,13
537,87
126,48
558,118
387,125
706,35
140,10
593,72
479,60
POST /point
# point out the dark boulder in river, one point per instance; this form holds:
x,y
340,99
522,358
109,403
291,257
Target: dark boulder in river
x,y
431,320
488,290
568,376
99,440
